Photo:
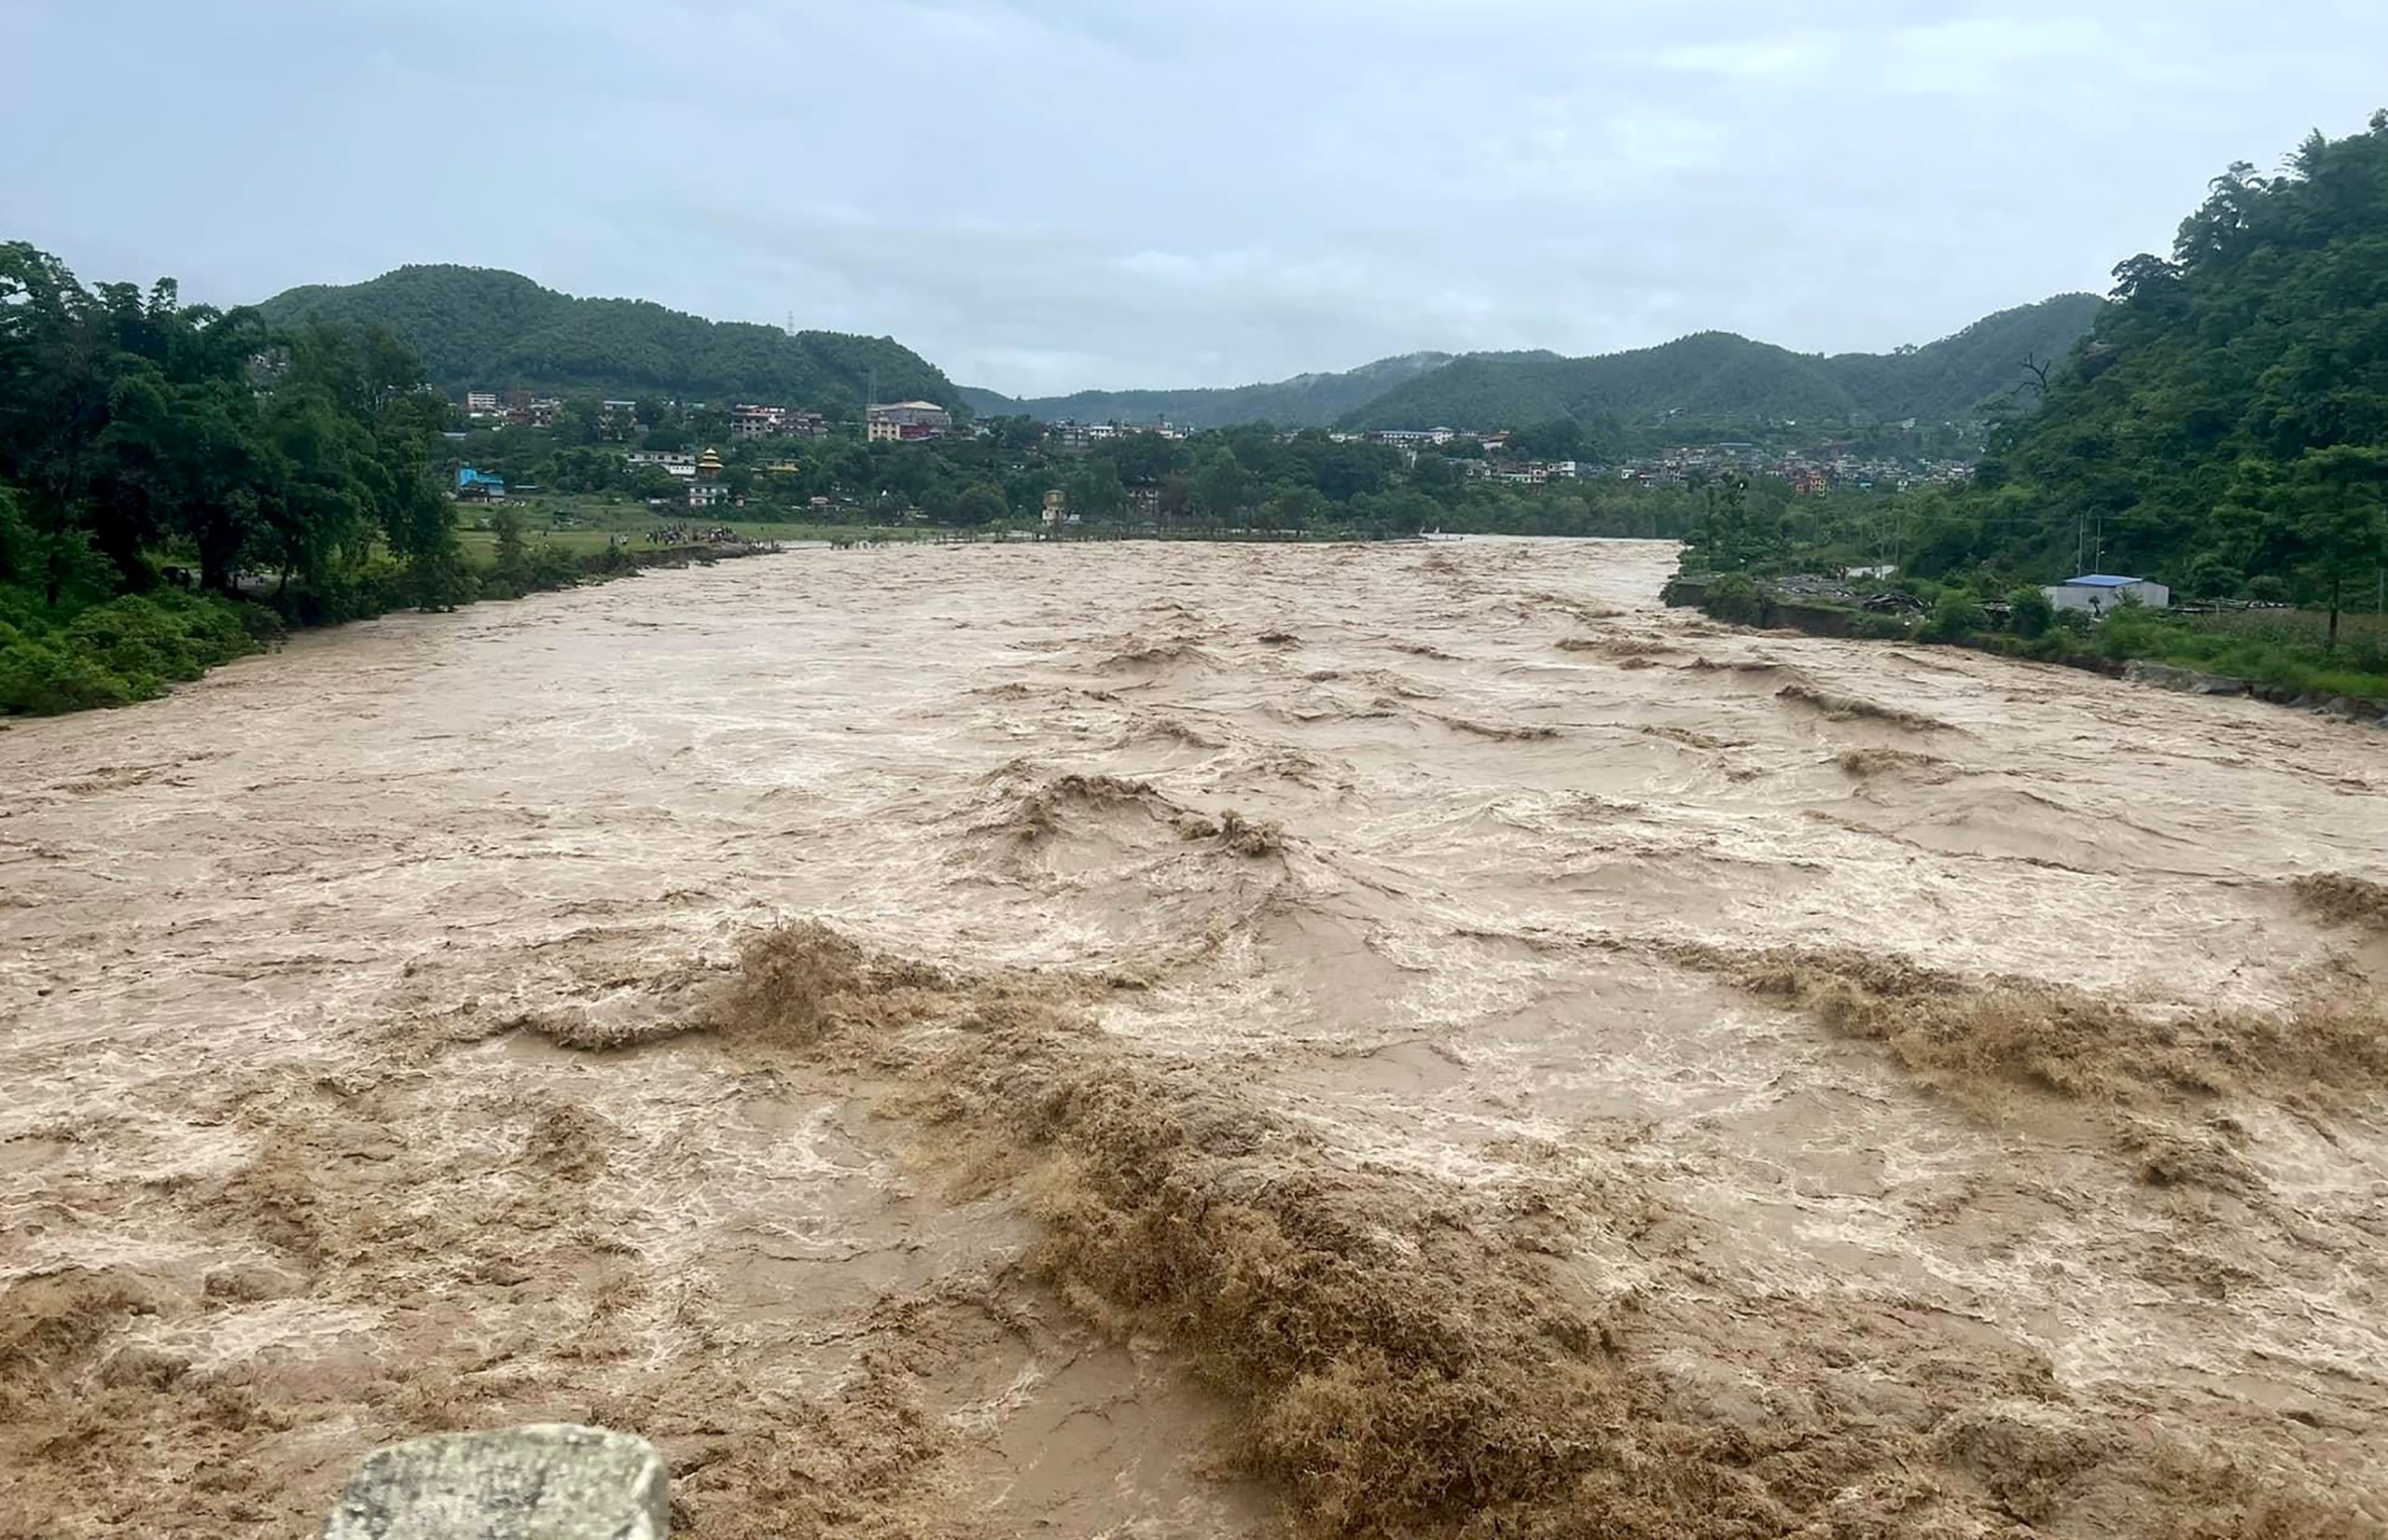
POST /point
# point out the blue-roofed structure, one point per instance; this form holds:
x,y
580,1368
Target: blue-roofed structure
x,y
473,483
2100,591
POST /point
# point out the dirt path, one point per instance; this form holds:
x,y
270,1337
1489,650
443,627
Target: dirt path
x,y
1567,941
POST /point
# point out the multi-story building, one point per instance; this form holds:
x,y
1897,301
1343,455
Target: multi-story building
x,y
901,421
481,402
753,422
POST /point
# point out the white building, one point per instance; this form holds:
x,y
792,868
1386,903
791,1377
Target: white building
x,y
481,402
2098,592
705,494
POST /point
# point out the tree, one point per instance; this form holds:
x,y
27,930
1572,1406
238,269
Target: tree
x,y
1220,486
652,482
2030,613
1955,615
1176,499
1094,492
1725,539
1295,507
16,538
1559,438
981,503
512,566
2336,508
1143,459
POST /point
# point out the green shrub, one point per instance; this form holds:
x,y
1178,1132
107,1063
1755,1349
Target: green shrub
x,y
128,648
42,679
1736,599
2032,615
1955,615
552,567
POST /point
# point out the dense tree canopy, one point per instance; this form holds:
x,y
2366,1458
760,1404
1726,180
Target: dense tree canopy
x,y
128,418
2228,418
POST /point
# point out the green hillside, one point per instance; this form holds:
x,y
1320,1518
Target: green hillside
x,y
1720,376
2229,418
1304,401
487,329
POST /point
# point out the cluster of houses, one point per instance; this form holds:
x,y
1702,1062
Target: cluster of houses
x,y
896,421
748,422
1071,438
1832,466
519,408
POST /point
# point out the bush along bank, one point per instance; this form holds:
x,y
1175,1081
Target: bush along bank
x,y
135,646
128,648
2167,649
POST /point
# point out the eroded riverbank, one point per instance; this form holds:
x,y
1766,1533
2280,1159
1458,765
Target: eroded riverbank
x,y
1539,982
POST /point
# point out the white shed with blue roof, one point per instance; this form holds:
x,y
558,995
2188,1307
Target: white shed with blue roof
x,y
2100,591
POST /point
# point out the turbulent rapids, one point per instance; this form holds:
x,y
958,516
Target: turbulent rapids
x,y
1192,1041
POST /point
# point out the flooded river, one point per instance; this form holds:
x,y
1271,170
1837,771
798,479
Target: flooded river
x,y
1804,1086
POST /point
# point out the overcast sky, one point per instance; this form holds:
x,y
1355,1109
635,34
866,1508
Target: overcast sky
x,y
1044,195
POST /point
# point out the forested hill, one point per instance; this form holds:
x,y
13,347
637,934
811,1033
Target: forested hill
x,y
2229,417
1720,377
483,328
1304,401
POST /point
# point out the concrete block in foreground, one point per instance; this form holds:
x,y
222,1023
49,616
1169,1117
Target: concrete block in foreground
x,y
548,1481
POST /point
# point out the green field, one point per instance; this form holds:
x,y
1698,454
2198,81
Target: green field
x,y
2296,628
585,525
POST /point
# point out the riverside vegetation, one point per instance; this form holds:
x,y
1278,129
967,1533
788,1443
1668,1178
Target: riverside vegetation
x,y
179,484
2225,427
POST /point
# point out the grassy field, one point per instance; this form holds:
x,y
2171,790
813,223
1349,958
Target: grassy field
x,y
584,525
2296,627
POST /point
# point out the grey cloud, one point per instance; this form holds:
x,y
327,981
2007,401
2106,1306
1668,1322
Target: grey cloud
x,y
1043,195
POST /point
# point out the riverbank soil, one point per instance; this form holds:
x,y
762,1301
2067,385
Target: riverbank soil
x,y
1196,1040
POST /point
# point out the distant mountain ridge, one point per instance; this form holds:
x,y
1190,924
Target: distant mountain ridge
x,y
1712,375
485,328
1304,401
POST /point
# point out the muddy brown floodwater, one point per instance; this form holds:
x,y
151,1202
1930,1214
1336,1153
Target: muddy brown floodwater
x,y
1367,1040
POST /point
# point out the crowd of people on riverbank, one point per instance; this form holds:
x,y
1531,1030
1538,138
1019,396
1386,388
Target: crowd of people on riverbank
x,y
688,534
